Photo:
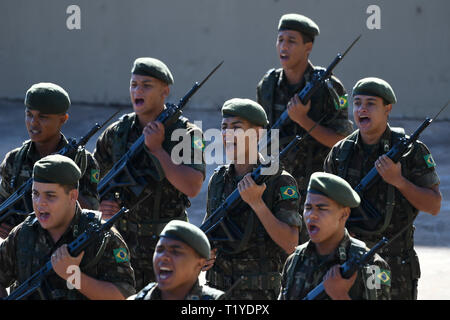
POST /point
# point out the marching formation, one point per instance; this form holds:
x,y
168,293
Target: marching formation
x,y
335,221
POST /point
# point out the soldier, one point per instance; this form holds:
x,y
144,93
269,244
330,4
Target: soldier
x,y
169,185
104,269
278,89
181,253
406,187
327,208
45,113
271,221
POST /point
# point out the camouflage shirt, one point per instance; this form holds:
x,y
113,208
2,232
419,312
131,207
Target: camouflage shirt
x,y
198,292
259,259
418,168
274,93
160,201
29,247
15,172
305,269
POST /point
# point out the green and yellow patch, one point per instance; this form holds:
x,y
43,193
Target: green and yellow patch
x,y
429,161
198,143
343,102
121,255
289,192
385,277
95,175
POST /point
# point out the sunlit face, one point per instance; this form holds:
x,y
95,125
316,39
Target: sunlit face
x,y
176,265
370,113
43,127
324,217
292,52
240,138
147,94
54,208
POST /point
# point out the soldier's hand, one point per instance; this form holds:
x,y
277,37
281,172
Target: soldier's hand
x,y
390,171
108,208
5,229
154,135
297,111
62,260
336,286
250,192
210,263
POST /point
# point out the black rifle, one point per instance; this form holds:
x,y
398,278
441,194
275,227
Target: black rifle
x,y
352,265
319,79
366,216
123,174
93,233
7,208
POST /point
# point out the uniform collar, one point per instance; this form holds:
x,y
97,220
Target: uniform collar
x,y
306,75
339,254
385,139
33,154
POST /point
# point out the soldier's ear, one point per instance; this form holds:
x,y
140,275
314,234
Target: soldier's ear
x,y
345,213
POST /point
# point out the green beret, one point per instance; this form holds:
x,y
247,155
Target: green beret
x,y
56,168
246,109
375,87
335,188
47,98
300,23
188,233
153,68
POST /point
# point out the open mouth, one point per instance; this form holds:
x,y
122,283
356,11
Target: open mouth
x,y
165,273
34,131
138,102
313,229
43,216
284,56
364,120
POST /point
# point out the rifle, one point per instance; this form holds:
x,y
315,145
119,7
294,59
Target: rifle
x,y
7,207
352,265
122,174
366,216
93,233
319,78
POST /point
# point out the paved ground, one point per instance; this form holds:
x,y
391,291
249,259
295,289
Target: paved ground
x,y
432,233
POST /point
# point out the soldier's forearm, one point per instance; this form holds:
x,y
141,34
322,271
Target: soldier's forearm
x,y
423,199
324,135
282,234
95,289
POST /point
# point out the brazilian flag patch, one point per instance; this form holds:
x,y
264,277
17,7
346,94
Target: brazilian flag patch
x,y
289,192
429,161
343,102
95,175
198,143
121,255
385,277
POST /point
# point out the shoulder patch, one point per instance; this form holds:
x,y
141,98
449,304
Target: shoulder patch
x,y
95,175
429,161
121,255
289,192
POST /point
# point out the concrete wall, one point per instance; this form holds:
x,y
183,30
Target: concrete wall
x,y
411,50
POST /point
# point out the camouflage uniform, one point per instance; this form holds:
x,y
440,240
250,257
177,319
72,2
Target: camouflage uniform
x,y
198,292
29,247
17,168
305,269
259,259
395,209
161,201
274,93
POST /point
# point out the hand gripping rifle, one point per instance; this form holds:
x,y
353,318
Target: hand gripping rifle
x,y
366,217
319,79
7,208
352,265
122,174
93,233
